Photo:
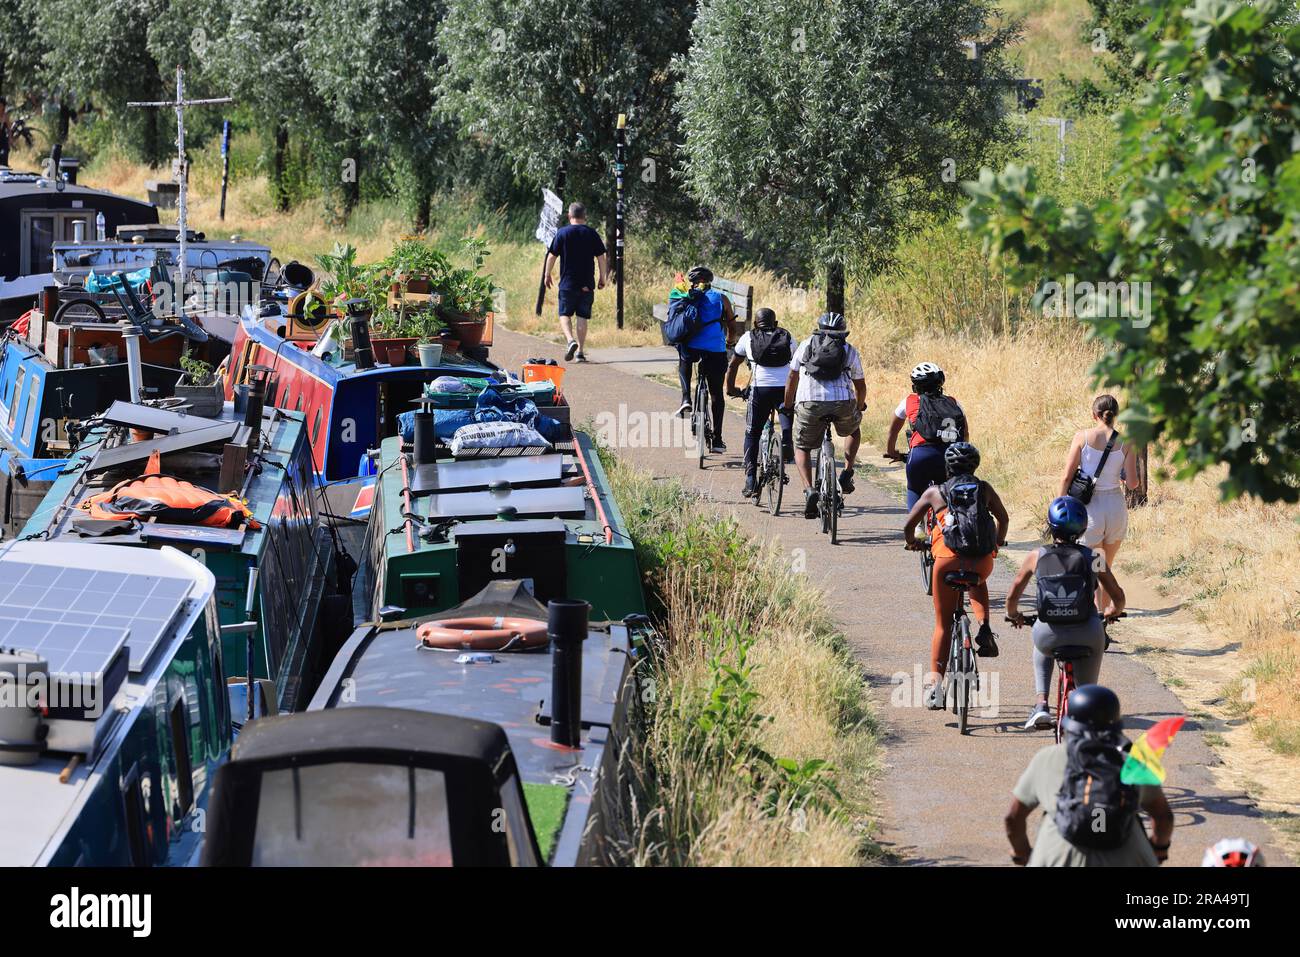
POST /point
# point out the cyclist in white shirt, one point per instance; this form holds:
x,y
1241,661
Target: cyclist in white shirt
x,y
768,350
826,382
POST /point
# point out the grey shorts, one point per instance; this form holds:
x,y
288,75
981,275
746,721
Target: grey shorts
x,y
1107,519
809,424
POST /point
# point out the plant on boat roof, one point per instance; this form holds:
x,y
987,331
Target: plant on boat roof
x,y
461,292
425,325
198,372
346,279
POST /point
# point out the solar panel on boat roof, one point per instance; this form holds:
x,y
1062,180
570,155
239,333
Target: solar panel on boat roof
x,y
76,618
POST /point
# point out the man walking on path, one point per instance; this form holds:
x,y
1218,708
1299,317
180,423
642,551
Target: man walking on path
x,y
579,250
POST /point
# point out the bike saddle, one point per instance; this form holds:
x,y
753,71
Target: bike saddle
x,y
1072,652
962,579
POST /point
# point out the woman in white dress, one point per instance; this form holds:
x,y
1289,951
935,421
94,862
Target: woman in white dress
x,y
1107,509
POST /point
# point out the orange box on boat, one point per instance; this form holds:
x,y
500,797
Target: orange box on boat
x,y
536,372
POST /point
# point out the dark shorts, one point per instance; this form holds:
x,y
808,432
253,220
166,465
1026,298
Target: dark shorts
x,y
575,302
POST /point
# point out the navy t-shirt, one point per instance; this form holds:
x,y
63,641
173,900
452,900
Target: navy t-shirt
x,y
577,245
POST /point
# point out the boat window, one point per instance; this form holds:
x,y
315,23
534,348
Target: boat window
x,y
18,392
298,405
41,229
315,427
180,729
134,813
33,404
352,814
284,398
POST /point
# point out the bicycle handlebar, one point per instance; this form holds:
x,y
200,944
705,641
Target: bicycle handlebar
x,y
1033,619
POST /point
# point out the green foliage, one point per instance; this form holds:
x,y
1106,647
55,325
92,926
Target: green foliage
x,y
829,128
545,80
1206,208
198,372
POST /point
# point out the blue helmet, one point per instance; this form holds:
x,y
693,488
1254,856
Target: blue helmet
x,y
1067,517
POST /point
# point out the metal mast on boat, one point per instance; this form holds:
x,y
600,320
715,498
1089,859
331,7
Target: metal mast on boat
x,y
182,174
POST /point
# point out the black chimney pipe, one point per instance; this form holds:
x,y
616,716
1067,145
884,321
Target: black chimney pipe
x,y
566,625
359,324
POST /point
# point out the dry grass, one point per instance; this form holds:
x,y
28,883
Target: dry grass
x,y
704,796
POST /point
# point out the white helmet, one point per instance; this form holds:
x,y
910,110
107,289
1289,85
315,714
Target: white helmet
x,y
926,370
1233,852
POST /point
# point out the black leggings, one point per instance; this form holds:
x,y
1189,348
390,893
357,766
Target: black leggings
x,y
713,366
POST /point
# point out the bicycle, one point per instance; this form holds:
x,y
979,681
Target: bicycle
x,y
701,416
770,477
962,676
829,500
1065,656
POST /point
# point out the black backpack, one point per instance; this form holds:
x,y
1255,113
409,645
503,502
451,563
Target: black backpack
x,y
827,355
771,347
968,528
1093,809
939,419
1065,585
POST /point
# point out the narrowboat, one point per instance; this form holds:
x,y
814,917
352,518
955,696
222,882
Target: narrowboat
x,y
113,708
36,212
60,368
352,400
480,716
236,492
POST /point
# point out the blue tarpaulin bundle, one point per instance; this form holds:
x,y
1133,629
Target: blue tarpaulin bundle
x,y
493,405
97,283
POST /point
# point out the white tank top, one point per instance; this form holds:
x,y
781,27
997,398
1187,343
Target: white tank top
x,y
1108,480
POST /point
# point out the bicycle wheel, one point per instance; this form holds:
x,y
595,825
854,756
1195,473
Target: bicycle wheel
x,y
80,310
832,494
927,557
1064,685
703,427
962,704
773,471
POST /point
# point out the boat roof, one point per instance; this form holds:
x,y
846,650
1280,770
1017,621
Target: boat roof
x,y
108,447
36,807
16,183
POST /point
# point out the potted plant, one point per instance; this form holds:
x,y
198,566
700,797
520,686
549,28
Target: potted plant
x,y
200,387
430,344
391,336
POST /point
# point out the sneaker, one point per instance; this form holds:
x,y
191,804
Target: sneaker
x,y
810,503
572,351
1040,719
582,357
748,491
986,645
683,410
719,447
932,700
846,482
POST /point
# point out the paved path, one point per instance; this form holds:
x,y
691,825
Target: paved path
x,y
943,794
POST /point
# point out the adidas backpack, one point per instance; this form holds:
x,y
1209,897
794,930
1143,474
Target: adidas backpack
x,y
1065,584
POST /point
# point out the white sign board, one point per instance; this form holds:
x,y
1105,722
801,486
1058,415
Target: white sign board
x,y
549,222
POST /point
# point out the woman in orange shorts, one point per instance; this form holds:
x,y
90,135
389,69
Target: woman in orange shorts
x,y
961,459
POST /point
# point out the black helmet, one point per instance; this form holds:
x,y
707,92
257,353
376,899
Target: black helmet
x,y
961,458
765,318
832,322
1094,706
700,274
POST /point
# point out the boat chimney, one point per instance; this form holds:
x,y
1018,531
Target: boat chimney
x,y
78,231
425,436
359,312
566,625
258,378
134,371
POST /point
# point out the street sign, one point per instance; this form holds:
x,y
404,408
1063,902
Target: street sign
x,y
549,222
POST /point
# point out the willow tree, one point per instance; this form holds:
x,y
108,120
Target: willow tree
x,y
831,127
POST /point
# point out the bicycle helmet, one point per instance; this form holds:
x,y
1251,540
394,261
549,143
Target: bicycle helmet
x,y
1094,706
927,377
1067,517
765,319
700,275
961,458
1233,852
832,322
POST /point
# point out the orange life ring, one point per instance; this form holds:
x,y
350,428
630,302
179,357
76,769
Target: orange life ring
x,y
483,634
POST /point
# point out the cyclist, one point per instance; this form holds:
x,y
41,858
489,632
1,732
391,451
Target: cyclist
x,y
967,512
826,382
1068,576
708,347
934,421
768,348
1057,774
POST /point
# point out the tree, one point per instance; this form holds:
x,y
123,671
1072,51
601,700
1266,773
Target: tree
x,y
545,80
379,74
831,127
1206,211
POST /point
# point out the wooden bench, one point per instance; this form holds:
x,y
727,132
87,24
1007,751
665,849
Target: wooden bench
x,y
741,295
